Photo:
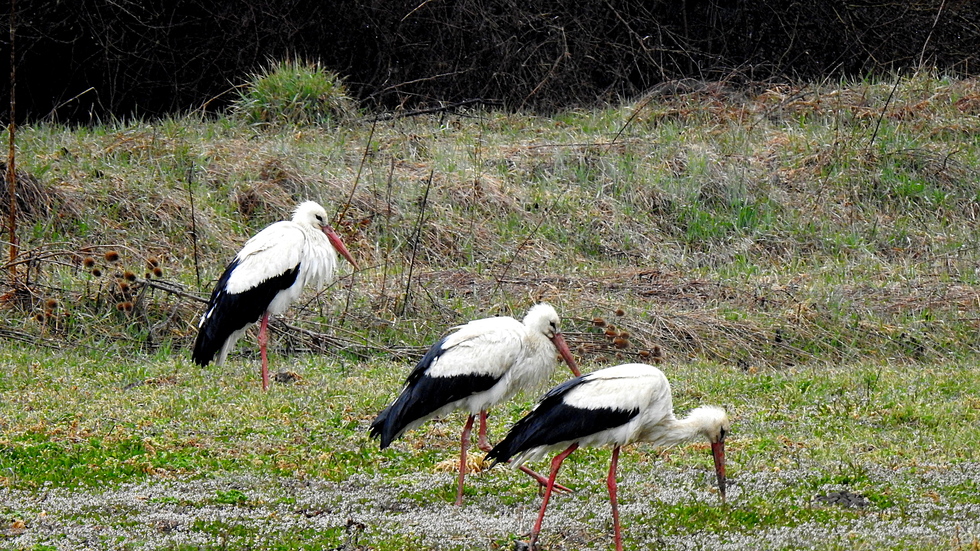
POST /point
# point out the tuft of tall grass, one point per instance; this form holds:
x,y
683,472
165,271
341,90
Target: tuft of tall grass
x,y
294,92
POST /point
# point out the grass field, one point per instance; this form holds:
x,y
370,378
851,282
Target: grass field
x,y
165,455
806,257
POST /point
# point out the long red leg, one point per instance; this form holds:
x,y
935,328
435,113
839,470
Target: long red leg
x,y
611,484
263,340
543,481
482,442
555,465
463,444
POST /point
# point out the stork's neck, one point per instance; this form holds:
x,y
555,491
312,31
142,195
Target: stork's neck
x,y
677,431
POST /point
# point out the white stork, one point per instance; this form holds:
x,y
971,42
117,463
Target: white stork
x,y
267,275
618,406
480,364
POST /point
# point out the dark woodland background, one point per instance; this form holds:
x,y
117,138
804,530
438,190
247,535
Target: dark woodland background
x,y
81,61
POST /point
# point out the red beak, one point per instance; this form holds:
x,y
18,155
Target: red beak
x,y
718,450
339,245
566,354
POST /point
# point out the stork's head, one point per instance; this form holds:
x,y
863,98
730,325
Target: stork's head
x,y
312,214
542,317
713,423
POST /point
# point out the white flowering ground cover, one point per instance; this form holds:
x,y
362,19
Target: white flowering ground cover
x,y
193,459
248,511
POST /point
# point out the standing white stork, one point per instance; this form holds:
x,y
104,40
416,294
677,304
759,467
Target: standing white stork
x,y
267,275
617,405
480,364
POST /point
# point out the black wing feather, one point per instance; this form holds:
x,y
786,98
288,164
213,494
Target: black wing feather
x,y
233,311
553,421
425,363
424,394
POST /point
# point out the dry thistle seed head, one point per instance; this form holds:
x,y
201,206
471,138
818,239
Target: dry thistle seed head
x,y
88,262
657,355
111,256
123,286
598,322
39,316
128,306
620,342
620,312
152,262
643,353
611,331
624,334
119,306
51,304
129,276
157,272
97,272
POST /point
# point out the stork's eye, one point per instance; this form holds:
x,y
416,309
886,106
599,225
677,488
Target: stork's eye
x,y
319,218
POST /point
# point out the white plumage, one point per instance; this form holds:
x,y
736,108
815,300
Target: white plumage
x,y
280,247
478,365
265,278
615,406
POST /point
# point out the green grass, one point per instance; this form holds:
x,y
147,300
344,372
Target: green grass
x,y
902,436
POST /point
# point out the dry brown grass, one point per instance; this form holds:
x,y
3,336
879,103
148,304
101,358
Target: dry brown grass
x,y
765,226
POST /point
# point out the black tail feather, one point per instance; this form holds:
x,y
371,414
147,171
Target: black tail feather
x,y
383,427
230,312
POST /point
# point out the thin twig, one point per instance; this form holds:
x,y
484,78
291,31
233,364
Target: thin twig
x,y
414,81
471,208
415,243
54,109
387,229
415,9
346,207
554,67
935,21
172,288
190,195
881,115
629,120
11,151
439,109
527,239
357,176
